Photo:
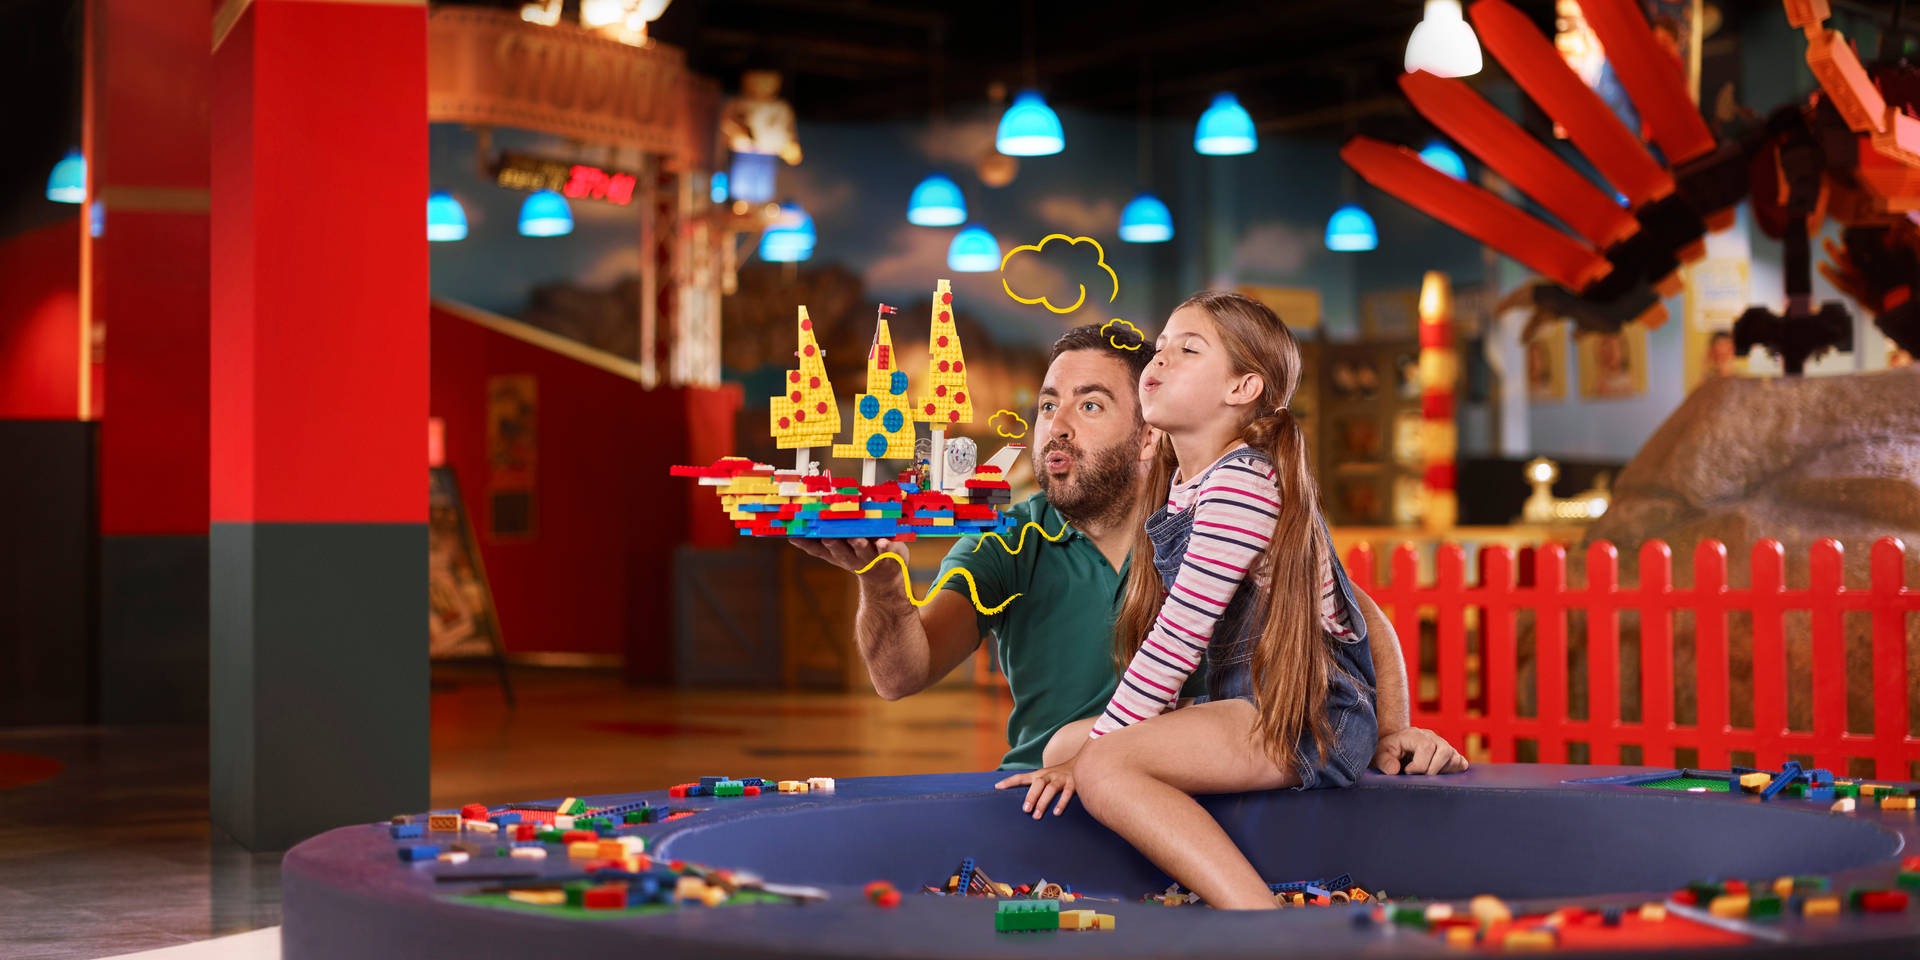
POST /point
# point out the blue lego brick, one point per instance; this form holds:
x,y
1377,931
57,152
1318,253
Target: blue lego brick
x,y
1820,792
934,514
419,851
858,528
622,808
710,781
1787,774
752,782
504,819
1819,776
699,791
405,831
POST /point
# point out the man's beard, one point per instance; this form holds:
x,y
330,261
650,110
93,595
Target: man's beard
x,y
1103,486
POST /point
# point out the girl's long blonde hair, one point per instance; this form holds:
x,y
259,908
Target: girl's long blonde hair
x,y
1291,664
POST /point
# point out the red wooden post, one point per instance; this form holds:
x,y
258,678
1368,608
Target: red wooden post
x,y
1829,640
1894,748
1404,590
1603,653
1550,651
1656,652
1451,652
1766,598
1710,598
1497,651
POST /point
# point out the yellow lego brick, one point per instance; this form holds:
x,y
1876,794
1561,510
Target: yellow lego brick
x,y
1896,803
1076,919
611,850
1528,940
1820,907
1103,921
1730,905
689,888
714,896
542,897
1783,887
448,822
583,850
1755,782
1460,936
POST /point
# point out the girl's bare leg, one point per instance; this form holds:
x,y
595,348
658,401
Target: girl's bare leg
x,y
1140,782
1067,741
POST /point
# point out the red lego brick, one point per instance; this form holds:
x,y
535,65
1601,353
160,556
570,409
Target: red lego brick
x,y
882,493
473,811
977,484
607,896
678,789
818,482
966,512
1910,865
1883,901
578,836
525,831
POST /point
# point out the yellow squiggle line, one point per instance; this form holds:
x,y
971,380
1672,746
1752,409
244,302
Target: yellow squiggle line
x,y
1015,551
973,588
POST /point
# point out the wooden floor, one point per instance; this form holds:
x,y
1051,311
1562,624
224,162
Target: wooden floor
x,y
111,851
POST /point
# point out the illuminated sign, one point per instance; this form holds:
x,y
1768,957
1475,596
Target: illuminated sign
x,y
575,181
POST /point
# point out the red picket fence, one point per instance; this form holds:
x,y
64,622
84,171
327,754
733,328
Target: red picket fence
x,y
1499,595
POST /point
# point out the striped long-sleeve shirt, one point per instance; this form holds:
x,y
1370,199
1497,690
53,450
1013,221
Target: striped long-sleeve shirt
x,y
1235,507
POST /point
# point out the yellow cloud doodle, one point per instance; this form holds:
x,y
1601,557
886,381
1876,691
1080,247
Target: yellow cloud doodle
x,y
1042,299
1114,338
1001,429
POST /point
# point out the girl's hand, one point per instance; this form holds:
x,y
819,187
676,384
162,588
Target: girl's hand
x,y
1041,785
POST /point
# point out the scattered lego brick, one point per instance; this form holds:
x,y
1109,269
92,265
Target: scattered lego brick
x,y
1843,805
400,820
443,822
1489,910
480,827
543,897
1820,907
608,896
1896,803
1730,905
455,856
418,851
405,831
822,784
1754,782
528,853
1026,916
474,811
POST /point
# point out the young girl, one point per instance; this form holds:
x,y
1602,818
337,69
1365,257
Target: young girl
x,y
1242,572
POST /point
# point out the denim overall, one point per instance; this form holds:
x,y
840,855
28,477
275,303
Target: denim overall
x,y
1349,700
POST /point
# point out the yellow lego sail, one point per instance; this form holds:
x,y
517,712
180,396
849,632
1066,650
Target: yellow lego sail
x,y
882,423
806,415
946,402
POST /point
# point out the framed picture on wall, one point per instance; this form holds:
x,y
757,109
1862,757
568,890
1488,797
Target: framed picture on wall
x,y
1547,365
1613,366
513,404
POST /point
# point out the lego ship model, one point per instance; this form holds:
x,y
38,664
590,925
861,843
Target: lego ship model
x,y
805,501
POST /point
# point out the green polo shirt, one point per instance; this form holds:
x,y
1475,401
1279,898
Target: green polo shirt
x,y
1055,641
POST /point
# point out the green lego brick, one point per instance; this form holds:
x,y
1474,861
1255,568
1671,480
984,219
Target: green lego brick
x,y
578,806
1764,906
576,892
1414,917
1909,880
1686,783
1021,916
1807,883
729,788
637,816
1846,790
1796,790
550,836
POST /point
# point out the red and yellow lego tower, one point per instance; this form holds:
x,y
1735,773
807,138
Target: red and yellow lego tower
x,y
882,430
946,403
806,416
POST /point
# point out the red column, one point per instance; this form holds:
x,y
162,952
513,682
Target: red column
x,y
147,73
319,390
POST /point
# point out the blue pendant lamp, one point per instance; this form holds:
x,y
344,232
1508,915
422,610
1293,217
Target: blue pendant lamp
x,y
68,182
1146,220
936,202
545,214
1442,158
973,250
1350,230
790,238
1030,128
1226,129
717,189
446,219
